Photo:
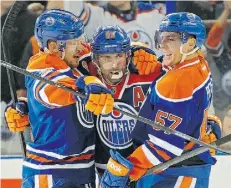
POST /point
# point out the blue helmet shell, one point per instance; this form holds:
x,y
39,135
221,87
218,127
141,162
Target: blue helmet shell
x,y
185,23
57,25
110,39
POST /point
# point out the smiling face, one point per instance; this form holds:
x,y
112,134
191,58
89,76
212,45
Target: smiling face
x,y
170,43
112,66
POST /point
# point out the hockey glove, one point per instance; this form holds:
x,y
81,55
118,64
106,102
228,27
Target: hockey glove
x,y
17,119
117,173
214,128
145,60
98,98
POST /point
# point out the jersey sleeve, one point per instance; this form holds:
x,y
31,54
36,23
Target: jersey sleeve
x,y
50,95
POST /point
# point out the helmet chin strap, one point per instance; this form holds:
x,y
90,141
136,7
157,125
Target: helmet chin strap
x,y
186,54
46,50
63,54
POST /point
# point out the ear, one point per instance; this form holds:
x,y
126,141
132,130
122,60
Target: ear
x,y
53,47
191,43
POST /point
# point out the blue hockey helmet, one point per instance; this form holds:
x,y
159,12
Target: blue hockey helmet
x,y
186,24
57,25
110,39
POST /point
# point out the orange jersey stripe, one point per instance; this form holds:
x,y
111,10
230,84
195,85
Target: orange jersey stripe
x,y
161,153
204,124
71,159
43,181
86,15
186,182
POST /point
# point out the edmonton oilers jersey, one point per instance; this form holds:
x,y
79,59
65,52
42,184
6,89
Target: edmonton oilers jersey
x,y
61,145
179,100
114,130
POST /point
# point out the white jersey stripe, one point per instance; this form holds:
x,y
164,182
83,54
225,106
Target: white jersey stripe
x,y
58,166
165,145
152,158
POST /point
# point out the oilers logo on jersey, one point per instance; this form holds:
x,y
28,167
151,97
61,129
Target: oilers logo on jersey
x,y
137,35
115,129
85,117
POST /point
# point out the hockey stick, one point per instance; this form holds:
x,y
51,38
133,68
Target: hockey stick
x,y
187,155
139,118
6,30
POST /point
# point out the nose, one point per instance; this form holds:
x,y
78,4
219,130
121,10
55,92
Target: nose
x,y
163,45
115,64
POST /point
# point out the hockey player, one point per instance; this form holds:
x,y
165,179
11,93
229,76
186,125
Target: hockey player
x,y
62,151
136,18
114,58
180,100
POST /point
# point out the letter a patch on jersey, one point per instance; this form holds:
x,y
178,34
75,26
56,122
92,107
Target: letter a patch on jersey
x,y
138,96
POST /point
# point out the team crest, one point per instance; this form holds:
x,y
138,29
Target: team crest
x,y
50,21
140,36
85,117
115,129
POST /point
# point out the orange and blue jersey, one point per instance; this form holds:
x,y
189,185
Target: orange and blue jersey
x,y
179,100
61,145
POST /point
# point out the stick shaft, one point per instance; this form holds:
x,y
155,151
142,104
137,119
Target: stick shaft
x,y
139,118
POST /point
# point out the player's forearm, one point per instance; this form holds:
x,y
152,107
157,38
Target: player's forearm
x,y
58,96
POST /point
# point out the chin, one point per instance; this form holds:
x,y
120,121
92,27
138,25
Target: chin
x,y
167,63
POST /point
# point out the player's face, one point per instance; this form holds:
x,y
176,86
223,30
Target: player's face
x,y
112,66
170,46
73,51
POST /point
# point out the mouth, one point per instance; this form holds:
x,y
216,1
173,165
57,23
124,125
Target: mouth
x,y
116,74
167,56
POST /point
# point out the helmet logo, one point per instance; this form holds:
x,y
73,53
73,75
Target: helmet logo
x,y
191,16
49,21
110,35
135,36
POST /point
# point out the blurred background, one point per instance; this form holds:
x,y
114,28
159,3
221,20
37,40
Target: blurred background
x,y
130,15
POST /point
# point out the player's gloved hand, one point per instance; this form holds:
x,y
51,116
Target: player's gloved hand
x,y
117,173
214,129
145,60
16,118
98,98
